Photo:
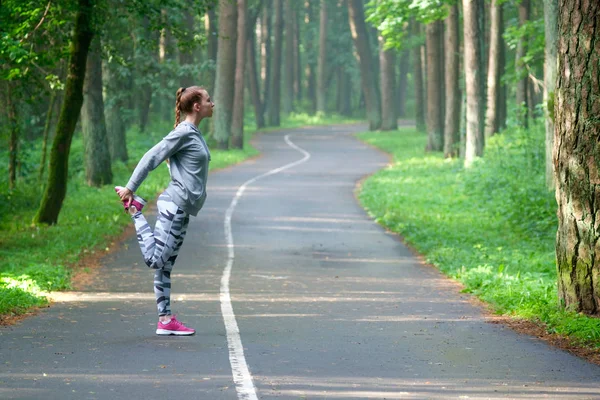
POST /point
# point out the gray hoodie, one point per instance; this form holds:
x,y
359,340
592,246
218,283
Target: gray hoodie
x,y
188,156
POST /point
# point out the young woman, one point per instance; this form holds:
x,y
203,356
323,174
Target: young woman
x,y
188,158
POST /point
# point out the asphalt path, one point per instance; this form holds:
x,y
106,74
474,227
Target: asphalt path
x,y
295,294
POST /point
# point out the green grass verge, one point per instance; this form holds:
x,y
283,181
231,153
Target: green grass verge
x,y
35,260
491,226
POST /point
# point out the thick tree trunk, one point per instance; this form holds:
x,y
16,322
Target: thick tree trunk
x,y
577,155
435,109
387,64
522,90
550,60
418,78
452,114
56,186
473,79
367,69
225,72
321,92
288,62
495,69
275,97
98,170
265,54
114,106
237,123
402,84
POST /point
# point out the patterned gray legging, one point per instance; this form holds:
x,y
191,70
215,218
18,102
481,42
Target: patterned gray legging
x,y
161,247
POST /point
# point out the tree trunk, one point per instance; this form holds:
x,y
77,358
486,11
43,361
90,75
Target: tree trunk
x,y
46,133
253,81
311,81
419,86
288,62
522,90
297,60
321,92
577,155
213,43
502,91
114,106
435,109
550,59
275,96
98,170
402,84
14,137
186,53
473,79
237,123
452,114
265,54
56,186
225,72
387,64
495,69
367,70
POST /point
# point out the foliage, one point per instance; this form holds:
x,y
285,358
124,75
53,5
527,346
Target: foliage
x,y
491,226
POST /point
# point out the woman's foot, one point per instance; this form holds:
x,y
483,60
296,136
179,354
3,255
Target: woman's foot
x,y
173,327
134,205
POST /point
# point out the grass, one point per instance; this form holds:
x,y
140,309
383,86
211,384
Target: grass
x,y
35,260
491,226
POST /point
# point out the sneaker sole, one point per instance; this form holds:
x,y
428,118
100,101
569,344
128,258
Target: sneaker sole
x,y
164,332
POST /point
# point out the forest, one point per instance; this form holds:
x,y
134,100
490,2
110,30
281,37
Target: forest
x,y
489,106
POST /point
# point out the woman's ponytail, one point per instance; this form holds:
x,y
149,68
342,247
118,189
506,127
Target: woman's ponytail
x,y
178,106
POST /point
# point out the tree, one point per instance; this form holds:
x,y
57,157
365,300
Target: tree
x,y
387,64
452,65
495,69
401,95
472,10
288,62
275,96
419,80
577,155
551,34
56,186
435,87
367,70
321,92
237,123
98,171
225,72
253,80
522,91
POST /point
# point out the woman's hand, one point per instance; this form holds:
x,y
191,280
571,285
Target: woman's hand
x,y
126,195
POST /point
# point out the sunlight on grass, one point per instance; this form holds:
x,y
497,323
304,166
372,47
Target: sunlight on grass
x,y
491,226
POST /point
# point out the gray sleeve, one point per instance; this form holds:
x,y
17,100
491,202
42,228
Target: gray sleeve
x,y
164,149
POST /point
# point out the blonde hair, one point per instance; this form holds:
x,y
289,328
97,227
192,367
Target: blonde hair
x,y
185,99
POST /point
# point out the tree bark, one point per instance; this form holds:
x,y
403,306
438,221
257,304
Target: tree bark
x,y
495,69
402,83
435,109
321,92
473,79
577,155
387,64
56,186
367,69
550,60
418,78
522,89
275,97
297,59
224,86
186,53
452,114
46,133
288,62
213,44
265,39
98,170
237,123
253,80
311,81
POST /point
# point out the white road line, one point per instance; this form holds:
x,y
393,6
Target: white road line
x,y
239,368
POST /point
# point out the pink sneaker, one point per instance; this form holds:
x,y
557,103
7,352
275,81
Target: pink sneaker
x,y
137,201
174,327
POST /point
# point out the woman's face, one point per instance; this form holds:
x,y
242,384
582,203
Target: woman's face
x,y
206,105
